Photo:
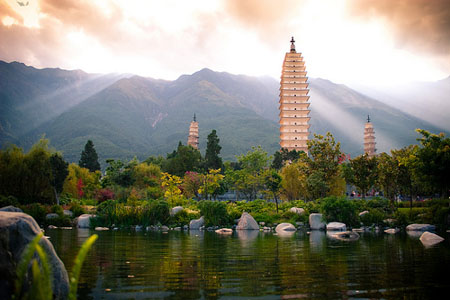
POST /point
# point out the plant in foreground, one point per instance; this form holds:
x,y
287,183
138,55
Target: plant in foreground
x,y
41,284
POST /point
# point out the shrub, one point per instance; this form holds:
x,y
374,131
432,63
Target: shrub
x,y
375,217
61,221
183,218
37,211
339,209
103,195
214,212
159,212
57,209
8,200
76,209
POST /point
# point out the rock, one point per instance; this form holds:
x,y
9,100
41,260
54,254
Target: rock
x,y
390,221
176,210
285,227
177,229
11,208
430,239
17,230
262,223
297,210
246,222
185,227
358,230
164,228
346,236
51,216
68,213
196,224
66,228
392,231
224,231
420,227
267,228
336,226
52,227
138,227
84,221
210,228
101,228
363,213
315,222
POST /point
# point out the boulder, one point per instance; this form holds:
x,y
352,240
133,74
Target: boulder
x,y
224,231
17,230
297,210
315,222
196,224
176,210
430,239
52,227
51,216
101,228
11,208
336,226
363,213
164,228
392,231
346,236
84,221
68,213
246,222
420,227
285,227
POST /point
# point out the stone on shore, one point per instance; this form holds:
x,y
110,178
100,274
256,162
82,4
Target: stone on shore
x,y
196,224
430,239
297,210
363,213
392,231
84,221
11,208
101,228
68,213
246,222
51,216
176,210
346,236
420,227
285,227
316,222
224,231
336,226
17,230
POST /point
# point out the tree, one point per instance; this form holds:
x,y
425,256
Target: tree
x,y
408,182
59,173
273,184
212,158
171,185
89,158
210,183
434,161
363,173
294,176
388,171
283,156
184,159
80,182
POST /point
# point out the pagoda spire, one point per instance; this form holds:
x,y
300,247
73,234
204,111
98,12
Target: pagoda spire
x,y
368,119
292,45
195,119
193,133
369,138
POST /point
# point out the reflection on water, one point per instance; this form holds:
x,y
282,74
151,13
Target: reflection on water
x,y
253,264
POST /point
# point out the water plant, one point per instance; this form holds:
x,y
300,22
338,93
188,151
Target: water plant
x,y
41,283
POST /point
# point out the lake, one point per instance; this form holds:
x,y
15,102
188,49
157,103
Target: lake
x,y
255,265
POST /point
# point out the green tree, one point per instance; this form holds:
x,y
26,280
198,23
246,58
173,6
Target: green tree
x,y
59,173
184,159
388,171
434,161
363,173
294,185
408,181
89,157
210,183
283,156
273,184
212,158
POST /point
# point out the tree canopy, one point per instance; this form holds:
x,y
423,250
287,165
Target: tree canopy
x,y
89,158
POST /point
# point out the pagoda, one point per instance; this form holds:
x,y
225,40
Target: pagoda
x,y
369,139
294,105
193,134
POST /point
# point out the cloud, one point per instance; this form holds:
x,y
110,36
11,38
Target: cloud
x,y
270,19
421,25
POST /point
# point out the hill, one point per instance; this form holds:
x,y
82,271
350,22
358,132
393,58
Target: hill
x,y
128,116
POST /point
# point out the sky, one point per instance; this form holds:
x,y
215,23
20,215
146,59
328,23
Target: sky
x,y
367,42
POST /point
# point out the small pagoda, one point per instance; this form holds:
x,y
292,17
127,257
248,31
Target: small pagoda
x,y
294,105
193,134
369,139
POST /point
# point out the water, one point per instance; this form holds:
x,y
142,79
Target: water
x,y
255,265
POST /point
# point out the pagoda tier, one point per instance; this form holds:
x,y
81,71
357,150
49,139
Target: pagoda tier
x,y
193,134
369,139
294,105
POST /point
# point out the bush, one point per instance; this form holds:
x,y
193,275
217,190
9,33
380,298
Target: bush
x,y
37,211
214,212
61,221
339,209
8,200
374,217
57,209
183,218
159,212
103,195
76,209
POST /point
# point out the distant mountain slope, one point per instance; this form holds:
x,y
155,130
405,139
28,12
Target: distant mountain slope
x,y
30,97
136,116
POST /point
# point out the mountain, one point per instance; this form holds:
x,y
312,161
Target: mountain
x,y
128,116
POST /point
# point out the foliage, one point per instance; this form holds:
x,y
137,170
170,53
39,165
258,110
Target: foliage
x,y
37,211
76,209
185,158
212,158
284,155
119,173
374,217
388,172
81,182
214,212
103,195
170,184
41,283
294,184
273,184
339,209
59,173
8,200
89,158
183,217
210,183
363,173
191,184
